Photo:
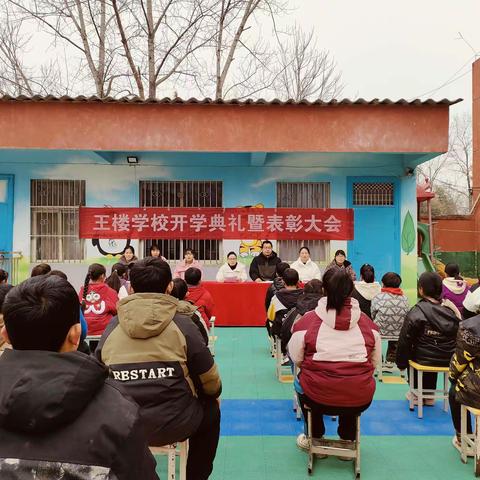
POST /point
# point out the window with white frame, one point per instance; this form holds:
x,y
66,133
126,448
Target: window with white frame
x,y
183,194
54,220
303,195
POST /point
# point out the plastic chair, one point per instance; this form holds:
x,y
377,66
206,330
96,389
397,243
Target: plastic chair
x,y
470,443
179,449
212,338
424,394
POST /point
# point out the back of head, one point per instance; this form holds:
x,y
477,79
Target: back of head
x,y
281,267
327,276
4,289
391,280
59,273
41,269
193,276
119,270
290,277
338,288
180,288
367,273
314,286
3,276
431,285
150,275
39,312
453,270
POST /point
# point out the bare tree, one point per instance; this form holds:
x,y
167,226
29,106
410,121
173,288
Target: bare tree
x,y
87,26
171,32
305,71
452,171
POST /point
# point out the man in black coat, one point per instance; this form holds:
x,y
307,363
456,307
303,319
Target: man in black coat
x,y
60,416
264,266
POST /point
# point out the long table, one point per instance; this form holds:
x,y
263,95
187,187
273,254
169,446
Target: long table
x,y
238,304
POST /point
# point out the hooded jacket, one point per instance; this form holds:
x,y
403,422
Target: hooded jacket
x,y
471,304
283,301
347,266
305,303
455,291
427,335
365,292
189,309
60,417
306,271
161,360
202,298
264,267
337,354
465,363
100,306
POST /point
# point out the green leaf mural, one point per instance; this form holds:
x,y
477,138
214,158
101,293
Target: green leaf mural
x,y
408,234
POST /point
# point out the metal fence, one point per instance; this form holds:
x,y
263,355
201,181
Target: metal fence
x,y
9,261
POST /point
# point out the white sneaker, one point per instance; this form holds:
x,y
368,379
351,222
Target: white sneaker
x,y
285,361
458,446
388,367
303,442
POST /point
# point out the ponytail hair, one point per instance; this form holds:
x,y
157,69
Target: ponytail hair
x,y
119,271
95,271
3,276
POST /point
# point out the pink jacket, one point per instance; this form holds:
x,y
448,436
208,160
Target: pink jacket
x,y
337,354
182,267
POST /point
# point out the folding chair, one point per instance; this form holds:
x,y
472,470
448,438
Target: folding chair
x,y
179,449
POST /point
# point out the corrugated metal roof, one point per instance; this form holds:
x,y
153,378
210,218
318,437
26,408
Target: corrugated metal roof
x,y
210,101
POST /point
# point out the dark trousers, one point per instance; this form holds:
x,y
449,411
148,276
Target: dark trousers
x,y
203,443
455,410
347,417
391,351
429,380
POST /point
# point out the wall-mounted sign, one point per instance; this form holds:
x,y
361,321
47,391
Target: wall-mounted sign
x,y
217,223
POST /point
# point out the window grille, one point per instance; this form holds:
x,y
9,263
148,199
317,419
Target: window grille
x,y
303,195
183,194
54,220
368,194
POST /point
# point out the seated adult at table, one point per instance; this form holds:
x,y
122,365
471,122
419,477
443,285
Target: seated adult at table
x,y
160,359
429,331
232,271
263,266
337,348
187,262
307,269
340,262
198,294
155,252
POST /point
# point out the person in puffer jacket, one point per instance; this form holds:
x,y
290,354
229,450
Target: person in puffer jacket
x,y
284,300
312,293
465,373
471,304
366,288
454,288
160,359
337,348
429,331
389,309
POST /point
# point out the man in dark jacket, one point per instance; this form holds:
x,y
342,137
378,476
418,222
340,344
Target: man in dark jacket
x,y
429,331
60,416
161,360
263,267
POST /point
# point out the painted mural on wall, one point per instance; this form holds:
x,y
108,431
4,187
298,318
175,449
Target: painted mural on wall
x,y
117,184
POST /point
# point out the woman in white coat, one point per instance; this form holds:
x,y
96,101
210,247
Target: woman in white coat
x,y
232,271
307,269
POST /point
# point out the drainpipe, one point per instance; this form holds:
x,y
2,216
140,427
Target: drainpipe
x,y
430,229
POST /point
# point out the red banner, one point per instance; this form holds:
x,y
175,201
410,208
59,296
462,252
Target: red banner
x,y
217,223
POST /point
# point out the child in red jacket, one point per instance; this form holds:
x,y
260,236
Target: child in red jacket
x,y
99,301
199,295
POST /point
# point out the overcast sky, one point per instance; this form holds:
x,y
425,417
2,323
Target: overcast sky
x,y
402,48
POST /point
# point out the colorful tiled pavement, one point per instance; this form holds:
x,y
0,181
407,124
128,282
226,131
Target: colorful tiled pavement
x,y
259,427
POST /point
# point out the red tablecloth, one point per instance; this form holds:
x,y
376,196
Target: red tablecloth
x,y
238,304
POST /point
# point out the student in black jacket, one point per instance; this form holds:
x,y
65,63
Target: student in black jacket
x,y
59,413
429,331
